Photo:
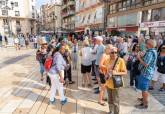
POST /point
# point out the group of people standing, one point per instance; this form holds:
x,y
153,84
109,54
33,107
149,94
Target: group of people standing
x,y
106,64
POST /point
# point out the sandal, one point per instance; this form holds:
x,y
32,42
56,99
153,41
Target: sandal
x,y
102,104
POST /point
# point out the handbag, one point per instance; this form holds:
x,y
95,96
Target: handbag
x,y
117,79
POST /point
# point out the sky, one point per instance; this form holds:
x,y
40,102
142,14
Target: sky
x,y
40,2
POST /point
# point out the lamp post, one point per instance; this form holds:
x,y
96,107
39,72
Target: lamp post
x,y
4,5
54,20
105,2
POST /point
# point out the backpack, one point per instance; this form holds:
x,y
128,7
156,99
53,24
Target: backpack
x,y
48,63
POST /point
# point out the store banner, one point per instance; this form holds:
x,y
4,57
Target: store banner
x,y
152,24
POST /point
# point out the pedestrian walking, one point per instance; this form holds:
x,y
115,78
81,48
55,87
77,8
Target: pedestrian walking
x,y
1,40
27,42
35,42
74,54
147,68
17,43
6,41
93,56
99,52
160,71
116,68
41,57
56,74
86,63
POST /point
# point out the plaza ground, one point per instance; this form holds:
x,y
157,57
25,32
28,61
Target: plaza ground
x,y
22,92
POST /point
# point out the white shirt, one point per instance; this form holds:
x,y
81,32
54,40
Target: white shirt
x,y
86,56
93,56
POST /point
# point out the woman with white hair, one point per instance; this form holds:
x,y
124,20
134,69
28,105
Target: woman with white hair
x,y
86,63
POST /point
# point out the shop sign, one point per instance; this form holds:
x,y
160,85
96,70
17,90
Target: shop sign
x,y
152,24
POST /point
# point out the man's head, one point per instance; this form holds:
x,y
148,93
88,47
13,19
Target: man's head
x,y
150,43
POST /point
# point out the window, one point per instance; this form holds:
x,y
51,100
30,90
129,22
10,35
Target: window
x,y
4,12
158,14
113,8
145,16
16,4
18,22
3,2
17,13
32,7
5,21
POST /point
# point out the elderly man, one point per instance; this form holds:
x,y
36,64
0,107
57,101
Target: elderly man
x,y
147,68
99,52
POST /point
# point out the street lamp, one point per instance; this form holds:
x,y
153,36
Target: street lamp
x,y
105,13
54,20
4,6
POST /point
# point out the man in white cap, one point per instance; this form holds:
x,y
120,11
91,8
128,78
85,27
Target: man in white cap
x,y
99,52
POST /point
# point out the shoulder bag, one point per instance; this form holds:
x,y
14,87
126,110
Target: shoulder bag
x,y
117,79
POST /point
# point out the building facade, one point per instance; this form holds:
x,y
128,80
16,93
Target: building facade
x,y
89,16
137,16
17,16
68,15
51,17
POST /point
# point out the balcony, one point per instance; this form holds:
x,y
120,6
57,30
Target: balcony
x,y
71,2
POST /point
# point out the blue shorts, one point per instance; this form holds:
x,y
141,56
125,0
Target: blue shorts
x,y
143,83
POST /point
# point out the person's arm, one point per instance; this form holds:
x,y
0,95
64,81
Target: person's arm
x,y
101,64
147,61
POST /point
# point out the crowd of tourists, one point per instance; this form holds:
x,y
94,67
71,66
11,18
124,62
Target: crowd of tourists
x,y
105,65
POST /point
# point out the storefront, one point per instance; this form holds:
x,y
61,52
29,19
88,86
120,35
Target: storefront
x,y
152,28
125,24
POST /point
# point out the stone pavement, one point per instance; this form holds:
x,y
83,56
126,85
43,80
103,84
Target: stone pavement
x,y
22,92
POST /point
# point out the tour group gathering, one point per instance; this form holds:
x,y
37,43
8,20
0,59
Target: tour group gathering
x,y
104,64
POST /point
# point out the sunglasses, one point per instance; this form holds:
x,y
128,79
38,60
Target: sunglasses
x,y
113,52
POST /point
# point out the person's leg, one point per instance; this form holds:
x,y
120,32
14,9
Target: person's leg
x,y
69,74
145,98
101,94
110,100
83,80
89,81
41,71
131,79
154,80
162,78
53,87
115,94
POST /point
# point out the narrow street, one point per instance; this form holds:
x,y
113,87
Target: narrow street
x,y
22,92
